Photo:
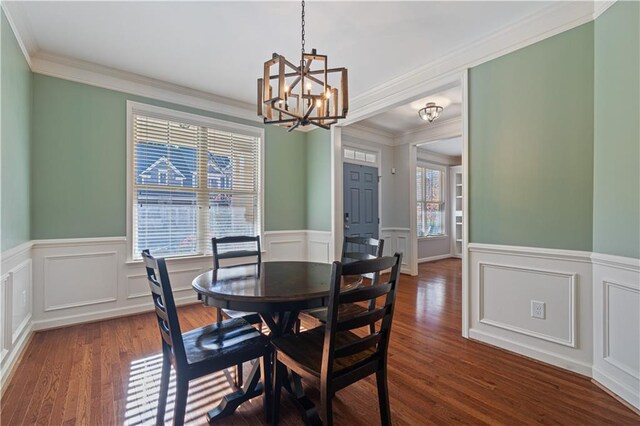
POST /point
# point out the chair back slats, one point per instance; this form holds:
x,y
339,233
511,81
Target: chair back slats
x,y
375,343
359,248
164,304
358,346
217,245
365,293
360,320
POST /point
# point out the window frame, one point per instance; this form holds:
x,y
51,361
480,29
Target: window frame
x,y
201,120
444,188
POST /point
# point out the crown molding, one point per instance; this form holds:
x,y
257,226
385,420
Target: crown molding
x,y
21,30
440,130
550,21
599,7
368,134
122,81
426,156
556,18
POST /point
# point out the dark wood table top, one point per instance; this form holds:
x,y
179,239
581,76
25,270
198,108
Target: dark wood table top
x,y
270,286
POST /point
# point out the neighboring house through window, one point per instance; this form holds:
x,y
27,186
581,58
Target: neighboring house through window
x,y
430,182
191,178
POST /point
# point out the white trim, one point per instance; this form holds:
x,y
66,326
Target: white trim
x,y
466,267
628,263
606,335
434,258
103,314
8,255
552,20
622,390
200,120
440,130
601,6
366,133
337,200
75,242
135,84
534,252
571,342
9,362
288,231
532,352
25,41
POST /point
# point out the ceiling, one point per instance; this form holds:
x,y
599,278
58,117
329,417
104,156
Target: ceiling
x,y
404,119
451,147
220,47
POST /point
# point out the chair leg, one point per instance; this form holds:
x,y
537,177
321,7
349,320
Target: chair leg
x,y
383,396
265,370
164,389
278,371
239,376
326,406
182,390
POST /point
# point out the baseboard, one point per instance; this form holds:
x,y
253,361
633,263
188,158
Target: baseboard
x,y
531,352
105,314
615,396
627,397
434,258
14,356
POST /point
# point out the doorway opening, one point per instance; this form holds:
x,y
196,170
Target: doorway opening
x,y
422,170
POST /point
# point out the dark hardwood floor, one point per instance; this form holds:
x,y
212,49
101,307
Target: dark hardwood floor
x,y
108,373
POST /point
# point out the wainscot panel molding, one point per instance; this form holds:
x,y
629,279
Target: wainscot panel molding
x,y
504,280
434,258
16,311
616,325
89,279
398,240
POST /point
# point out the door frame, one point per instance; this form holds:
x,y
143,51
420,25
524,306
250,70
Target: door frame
x,y
416,91
377,165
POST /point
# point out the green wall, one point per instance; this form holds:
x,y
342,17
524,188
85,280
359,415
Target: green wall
x,y
15,141
616,186
285,180
78,163
319,180
531,145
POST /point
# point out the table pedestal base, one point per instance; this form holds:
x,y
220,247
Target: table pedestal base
x,y
232,401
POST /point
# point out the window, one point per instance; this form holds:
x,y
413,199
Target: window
x,y
359,155
430,195
192,178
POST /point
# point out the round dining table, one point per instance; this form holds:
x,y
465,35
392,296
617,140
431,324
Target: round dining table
x,y
277,291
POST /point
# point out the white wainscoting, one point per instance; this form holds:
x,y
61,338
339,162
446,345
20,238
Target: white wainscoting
x,y
616,325
88,279
16,295
315,246
398,240
504,281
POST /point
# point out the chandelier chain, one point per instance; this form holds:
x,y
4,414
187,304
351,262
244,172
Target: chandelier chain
x,y
302,27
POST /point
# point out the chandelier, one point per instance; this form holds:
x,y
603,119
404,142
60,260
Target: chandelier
x,y
430,112
292,96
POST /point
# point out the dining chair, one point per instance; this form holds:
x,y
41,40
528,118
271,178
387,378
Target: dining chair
x,y
354,249
202,351
238,250
332,356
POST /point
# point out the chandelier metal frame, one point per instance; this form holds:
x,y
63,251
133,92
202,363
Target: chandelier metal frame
x,y
302,95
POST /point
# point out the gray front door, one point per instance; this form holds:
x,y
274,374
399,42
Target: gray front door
x,y
360,201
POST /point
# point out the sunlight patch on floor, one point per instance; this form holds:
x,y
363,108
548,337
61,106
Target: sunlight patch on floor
x,y
144,386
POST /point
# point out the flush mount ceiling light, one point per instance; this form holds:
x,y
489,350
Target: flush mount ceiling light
x,y
298,95
430,112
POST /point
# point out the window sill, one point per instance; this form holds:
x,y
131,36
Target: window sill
x,y
178,259
433,237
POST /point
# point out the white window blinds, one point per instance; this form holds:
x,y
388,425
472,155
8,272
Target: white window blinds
x,y
191,182
430,204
